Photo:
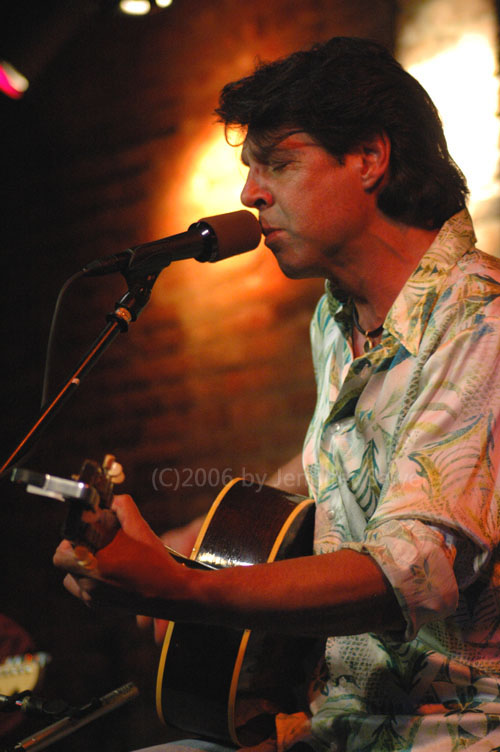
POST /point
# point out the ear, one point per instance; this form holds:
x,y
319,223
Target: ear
x,y
375,156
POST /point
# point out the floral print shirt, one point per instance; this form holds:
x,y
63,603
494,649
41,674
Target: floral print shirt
x,y
402,458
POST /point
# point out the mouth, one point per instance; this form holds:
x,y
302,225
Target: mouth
x,y
268,231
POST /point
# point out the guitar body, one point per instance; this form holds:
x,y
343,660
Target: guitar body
x,y
227,684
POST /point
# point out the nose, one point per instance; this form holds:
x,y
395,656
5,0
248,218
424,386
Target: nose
x,y
255,194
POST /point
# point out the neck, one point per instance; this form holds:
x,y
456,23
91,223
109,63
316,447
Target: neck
x,y
380,268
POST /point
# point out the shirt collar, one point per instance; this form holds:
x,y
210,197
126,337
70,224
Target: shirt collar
x,y
410,312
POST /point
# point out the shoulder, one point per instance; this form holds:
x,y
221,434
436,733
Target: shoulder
x,y
479,265
467,308
475,280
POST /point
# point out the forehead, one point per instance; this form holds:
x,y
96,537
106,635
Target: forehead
x,y
261,150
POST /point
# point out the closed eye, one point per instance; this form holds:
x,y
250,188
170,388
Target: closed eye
x,y
278,166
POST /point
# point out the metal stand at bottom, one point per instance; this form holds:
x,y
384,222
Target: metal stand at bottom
x,y
70,723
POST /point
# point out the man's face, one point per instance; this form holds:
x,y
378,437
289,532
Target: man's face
x,y
313,210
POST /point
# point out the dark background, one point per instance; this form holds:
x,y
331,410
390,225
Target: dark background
x,y
216,373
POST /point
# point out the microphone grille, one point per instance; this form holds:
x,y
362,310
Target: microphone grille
x,y
237,232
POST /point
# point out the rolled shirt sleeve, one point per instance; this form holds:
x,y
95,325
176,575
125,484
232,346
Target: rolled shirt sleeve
x,y
418,564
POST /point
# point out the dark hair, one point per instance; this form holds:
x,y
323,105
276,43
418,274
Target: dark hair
x,y
342,93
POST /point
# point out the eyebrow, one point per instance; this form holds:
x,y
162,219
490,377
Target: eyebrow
x,y
263,154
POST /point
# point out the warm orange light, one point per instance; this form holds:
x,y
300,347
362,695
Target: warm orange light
x,y
214,177
208,181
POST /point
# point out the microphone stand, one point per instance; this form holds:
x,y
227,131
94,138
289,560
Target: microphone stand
x,y
140,266
126,311
74,719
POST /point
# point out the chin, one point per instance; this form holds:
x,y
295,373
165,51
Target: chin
x,y
289,271
294,272
291,263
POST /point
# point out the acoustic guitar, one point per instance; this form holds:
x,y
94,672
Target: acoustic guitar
x,y
220,683
223,683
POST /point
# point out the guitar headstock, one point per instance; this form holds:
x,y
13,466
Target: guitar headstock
x,y
102,478
91,522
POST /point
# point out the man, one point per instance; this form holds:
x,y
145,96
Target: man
x,y
350,173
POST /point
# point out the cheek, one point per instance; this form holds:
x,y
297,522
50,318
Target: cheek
x,y
341,205
319,219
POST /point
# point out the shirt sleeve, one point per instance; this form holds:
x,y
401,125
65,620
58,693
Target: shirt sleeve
x,y
418,563
442,477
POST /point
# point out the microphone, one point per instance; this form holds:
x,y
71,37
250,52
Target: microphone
x,y
210,239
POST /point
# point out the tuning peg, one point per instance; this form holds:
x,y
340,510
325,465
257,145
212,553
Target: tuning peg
x,y
113,469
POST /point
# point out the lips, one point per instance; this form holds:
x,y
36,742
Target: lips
x,y
267,230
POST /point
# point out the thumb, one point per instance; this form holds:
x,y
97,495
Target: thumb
x,y
132,521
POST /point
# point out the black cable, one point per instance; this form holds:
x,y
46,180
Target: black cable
x,y
49,356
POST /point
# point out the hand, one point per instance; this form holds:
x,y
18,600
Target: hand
x,y
135,560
